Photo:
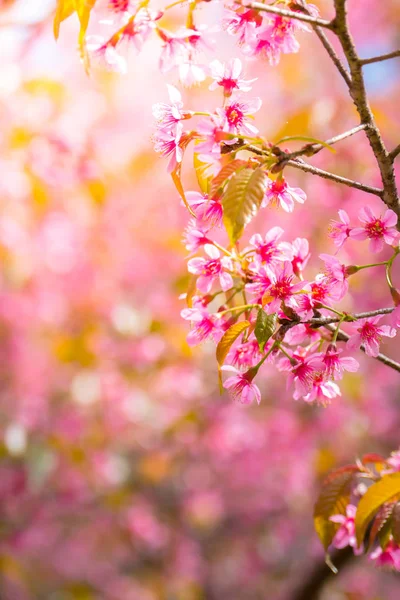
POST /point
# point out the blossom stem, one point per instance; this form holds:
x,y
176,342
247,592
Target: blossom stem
x,y
340,314
379,264
222,249
264,358
389,266
241,308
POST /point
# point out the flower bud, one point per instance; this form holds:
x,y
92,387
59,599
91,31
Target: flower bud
x,y
395,295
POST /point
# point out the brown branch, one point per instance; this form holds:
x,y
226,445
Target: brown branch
x,y
382,57
283,12
358,94
303,166
395,152
334,57
322,321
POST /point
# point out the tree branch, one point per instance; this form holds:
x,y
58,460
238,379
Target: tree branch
x,y
283,12
395,152
359,95
321,574
322,321
303,166
382,57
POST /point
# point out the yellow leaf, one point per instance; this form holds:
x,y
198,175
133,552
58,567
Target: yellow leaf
x,y
65,8
384,490
228,338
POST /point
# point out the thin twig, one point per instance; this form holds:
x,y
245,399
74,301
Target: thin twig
x,y
311,149
395,152
334,57
283,12
382,57
303,166
322,321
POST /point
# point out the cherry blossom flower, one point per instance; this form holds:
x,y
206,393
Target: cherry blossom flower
x,y
370,334
235,116
167,144
259,43
389,557
335,365
336,275
394,463
168,115
280,31
240,385
105,55
241,24
322,391
209,131
303,374
260,282
191,73
267,250
194,236
301,255
339,231
211,269
244,355
280,194
346,534
281,288
204,325
379,230
176,48
319,292
208,211
227,76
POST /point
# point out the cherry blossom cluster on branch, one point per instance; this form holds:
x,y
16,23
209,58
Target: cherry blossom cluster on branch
x,y
256,299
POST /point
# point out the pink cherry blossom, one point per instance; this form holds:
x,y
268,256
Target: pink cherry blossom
x,y
194,236
280,194
227,76
346,534
267,250
339,231
240,386
244,355
105,55
322,390
260,281
301,255
336,365
336,275
282,288
168,115
368,333
167,144
241,23
304,372
208,211
204,325
388,558
395,317
211,269
379,230
236,116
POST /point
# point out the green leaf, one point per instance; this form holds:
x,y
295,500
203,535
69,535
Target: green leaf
x,y
242,200
384,490
228,338
333,499
265,328
396,523
224,174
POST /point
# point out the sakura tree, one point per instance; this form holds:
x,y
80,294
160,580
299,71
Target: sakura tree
x,y
288,296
